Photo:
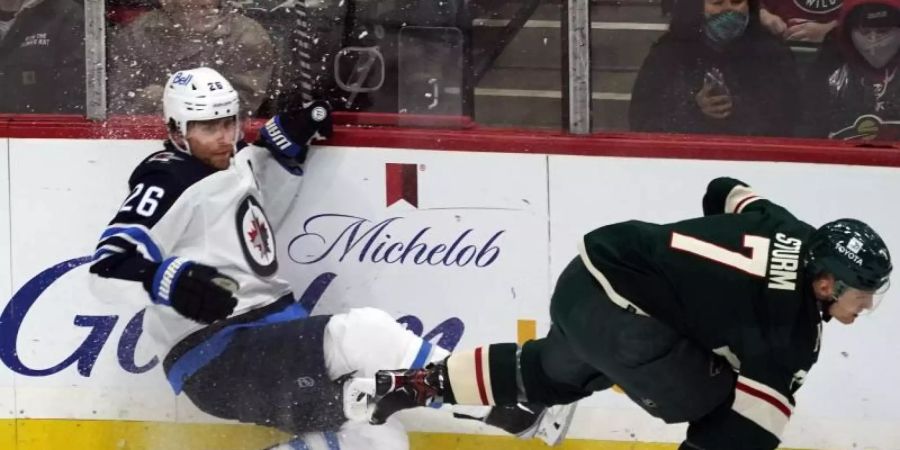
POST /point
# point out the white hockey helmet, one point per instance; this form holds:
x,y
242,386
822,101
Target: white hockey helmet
x,y
198,94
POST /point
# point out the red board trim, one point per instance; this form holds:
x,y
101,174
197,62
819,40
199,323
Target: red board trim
x,y
460,134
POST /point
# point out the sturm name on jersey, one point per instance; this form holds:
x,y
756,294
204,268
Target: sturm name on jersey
x,y
784,262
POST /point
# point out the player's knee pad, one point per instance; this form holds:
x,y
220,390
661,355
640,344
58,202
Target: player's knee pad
x,y
367,339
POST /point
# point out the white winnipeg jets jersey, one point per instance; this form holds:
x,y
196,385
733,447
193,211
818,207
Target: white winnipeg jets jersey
x,y
179,207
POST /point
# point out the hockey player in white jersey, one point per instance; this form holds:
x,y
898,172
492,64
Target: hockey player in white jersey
x,y
197,232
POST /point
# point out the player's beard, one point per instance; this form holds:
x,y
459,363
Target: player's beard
x,y
218,157
219,160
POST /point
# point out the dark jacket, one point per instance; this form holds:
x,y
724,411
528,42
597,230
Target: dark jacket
x,y
847,98
757,68
42,59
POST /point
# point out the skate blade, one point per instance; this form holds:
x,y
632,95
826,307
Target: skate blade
x,y
554,424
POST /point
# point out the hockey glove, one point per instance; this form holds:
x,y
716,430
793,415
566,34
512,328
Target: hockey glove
x,y
287,135
717,194
194,290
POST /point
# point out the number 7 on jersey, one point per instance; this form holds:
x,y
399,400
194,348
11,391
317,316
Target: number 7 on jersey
x,y
755,264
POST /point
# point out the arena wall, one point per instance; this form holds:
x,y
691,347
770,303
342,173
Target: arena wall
x,y
461,241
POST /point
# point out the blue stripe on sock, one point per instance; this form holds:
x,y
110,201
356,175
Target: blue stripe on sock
x,y
422,359
332,440
422,356
298,444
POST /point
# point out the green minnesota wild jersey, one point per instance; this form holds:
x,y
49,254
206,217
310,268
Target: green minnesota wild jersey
x,y
733,282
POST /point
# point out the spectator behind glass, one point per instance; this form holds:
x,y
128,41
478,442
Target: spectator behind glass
x,y
800,20
187,33
41,56
852,89
716,71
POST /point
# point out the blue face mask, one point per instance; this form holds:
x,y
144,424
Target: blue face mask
x,y
725,27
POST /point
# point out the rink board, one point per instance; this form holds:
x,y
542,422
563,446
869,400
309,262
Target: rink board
x,y
57,434
494,229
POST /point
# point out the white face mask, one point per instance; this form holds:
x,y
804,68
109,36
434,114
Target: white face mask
x,y
877,45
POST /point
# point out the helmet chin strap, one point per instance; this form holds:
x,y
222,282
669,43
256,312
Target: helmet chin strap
x,y
186,148
825,305
238,135
170,133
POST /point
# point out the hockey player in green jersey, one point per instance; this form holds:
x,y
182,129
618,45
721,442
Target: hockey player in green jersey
x,y
713,321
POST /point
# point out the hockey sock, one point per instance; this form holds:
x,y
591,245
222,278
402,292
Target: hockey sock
x,y
484,376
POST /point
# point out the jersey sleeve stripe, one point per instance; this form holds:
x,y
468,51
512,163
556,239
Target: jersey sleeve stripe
x,y
106,249
136,245
135,234
781,407
776,397
762,405
102,253
739,198
760,410
746,202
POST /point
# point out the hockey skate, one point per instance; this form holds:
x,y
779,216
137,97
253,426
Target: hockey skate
x,y
520,420
527,421
358,398
554,423
397,390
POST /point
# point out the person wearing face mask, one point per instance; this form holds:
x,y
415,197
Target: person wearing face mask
x,y
187,33
852,90
716,71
